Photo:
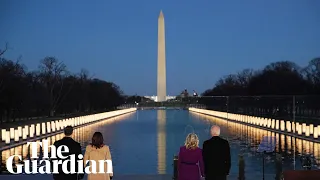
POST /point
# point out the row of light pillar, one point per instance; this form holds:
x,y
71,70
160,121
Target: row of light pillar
x,y
301,129
38,129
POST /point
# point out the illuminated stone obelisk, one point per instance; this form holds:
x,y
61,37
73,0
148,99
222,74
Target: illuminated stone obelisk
x,y
161,81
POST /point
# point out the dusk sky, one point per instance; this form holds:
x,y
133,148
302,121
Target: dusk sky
x,y
116,40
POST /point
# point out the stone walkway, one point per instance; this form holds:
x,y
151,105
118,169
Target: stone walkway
x,y
124,177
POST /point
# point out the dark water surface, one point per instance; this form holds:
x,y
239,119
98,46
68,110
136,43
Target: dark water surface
x,y
145,142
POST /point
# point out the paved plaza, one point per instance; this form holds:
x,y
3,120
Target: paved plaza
x,y
125,177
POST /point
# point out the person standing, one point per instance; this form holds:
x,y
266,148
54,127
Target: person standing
x,y
97,151
190,161
74,149
216,156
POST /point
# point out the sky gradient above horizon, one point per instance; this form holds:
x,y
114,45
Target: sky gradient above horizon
x,y
117,40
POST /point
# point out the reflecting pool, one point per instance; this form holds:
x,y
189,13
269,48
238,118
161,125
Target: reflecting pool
x,y
145,142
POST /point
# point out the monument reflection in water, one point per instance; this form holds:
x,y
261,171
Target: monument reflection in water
x,y
160,133
161,137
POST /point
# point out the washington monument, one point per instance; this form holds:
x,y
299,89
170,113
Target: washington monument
x,y
162,82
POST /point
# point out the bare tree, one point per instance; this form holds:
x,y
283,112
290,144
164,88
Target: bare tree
x,y
8,68
52,73
51,90
312,71
245,76
2,51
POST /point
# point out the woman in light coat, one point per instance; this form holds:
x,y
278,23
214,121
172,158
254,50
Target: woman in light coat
x,y
98,151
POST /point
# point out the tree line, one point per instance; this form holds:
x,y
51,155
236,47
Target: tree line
x,y
52,90
279,78
277,90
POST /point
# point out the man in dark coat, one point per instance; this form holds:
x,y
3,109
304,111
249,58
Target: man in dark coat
x,y
216,156
74,149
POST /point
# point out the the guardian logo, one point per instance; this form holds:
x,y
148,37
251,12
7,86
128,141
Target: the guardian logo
x,y
51,165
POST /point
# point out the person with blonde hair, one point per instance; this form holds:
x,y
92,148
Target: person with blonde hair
x,y
190,162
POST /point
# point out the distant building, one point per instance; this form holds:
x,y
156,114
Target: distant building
x,y
195,94
184,93
155,97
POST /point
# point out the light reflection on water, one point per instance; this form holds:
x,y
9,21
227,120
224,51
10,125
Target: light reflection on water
x,y
82,135
286,145
145,142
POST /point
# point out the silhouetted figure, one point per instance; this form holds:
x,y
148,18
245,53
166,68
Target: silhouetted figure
x,y
216,156
74,148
